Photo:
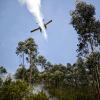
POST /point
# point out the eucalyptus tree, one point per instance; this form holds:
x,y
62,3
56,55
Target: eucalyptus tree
x,y
88,30
87,27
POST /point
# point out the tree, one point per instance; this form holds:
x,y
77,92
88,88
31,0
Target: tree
x,y
81,73
55,75
20,73
88,30
48,65
34,74
31,51
87,27
42,61
20,50
28,49
2,72
93,65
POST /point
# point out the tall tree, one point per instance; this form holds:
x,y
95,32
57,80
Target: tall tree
x,y
87,27
31,51
88,30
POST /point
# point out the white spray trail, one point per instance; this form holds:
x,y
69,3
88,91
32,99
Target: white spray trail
x,y
77,1
34,7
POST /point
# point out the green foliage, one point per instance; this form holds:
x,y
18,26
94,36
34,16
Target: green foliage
x,y
93,60
30,46
28,49
2,70
23,74
88,30
87,27
14,90
20,73
71,83
19,90
54,75
42,61
21,47
93,66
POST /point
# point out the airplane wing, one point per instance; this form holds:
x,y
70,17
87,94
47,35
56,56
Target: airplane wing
x,y
40,28
35,29
48,22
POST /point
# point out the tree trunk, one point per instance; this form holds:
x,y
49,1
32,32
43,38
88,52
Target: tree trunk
x,y
98,83
23,67
30,69
91,45
23,59
96,78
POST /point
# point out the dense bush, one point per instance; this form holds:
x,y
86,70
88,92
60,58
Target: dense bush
x,y
19,90
14,90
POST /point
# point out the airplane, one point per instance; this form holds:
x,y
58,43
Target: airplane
x,y
39,28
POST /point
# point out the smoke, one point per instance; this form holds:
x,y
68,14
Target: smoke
x,y
34,6
77,1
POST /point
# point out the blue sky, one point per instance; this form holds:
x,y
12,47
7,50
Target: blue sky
x,y
16,23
